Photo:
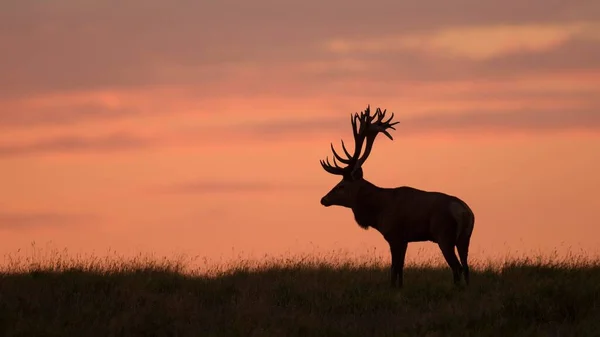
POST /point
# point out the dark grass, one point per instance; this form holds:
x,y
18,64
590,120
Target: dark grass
x,y
146,297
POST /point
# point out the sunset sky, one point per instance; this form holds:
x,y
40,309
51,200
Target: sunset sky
x,y
198,126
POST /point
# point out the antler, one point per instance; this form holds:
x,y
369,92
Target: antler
x,y
367,130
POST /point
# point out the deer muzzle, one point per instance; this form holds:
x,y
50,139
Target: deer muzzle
x,y
325,201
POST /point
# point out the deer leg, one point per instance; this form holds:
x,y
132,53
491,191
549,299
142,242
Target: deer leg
x,y
463,252
448,251
398,255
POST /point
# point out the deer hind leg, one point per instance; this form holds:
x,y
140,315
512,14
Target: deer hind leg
x,y
444,225
448,251
465,221
462,246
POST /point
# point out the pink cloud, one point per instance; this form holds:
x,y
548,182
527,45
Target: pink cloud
x,y
77,144
70,45
29,220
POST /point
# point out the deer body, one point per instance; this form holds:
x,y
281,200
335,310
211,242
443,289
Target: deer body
x,y
407,214
401,214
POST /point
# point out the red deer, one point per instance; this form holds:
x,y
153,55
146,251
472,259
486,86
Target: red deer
x,y
402,214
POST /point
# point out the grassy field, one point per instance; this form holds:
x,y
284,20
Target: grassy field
x,y
296,297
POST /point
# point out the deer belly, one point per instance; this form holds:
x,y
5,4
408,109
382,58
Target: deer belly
x,y
418,235
409,233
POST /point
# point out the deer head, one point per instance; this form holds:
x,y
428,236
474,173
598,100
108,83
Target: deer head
x,y
364,127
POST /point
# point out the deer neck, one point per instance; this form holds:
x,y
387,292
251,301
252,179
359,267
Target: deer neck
x,y
368,205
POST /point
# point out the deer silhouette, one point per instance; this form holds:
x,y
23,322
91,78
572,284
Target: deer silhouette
x,y
401,214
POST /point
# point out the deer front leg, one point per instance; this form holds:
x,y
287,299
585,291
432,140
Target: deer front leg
x,y
398,250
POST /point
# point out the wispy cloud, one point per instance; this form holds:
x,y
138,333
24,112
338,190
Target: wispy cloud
x,y
474,42
473,121
196,44
232,187
302,129
529,121
21,220
19,116
77,144
581,55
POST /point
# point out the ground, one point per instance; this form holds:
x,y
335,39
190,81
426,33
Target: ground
x,y
522,297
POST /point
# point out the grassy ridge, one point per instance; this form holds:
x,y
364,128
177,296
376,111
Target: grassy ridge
x,y
148,298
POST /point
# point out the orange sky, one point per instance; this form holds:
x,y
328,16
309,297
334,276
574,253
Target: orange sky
x,y
190,127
